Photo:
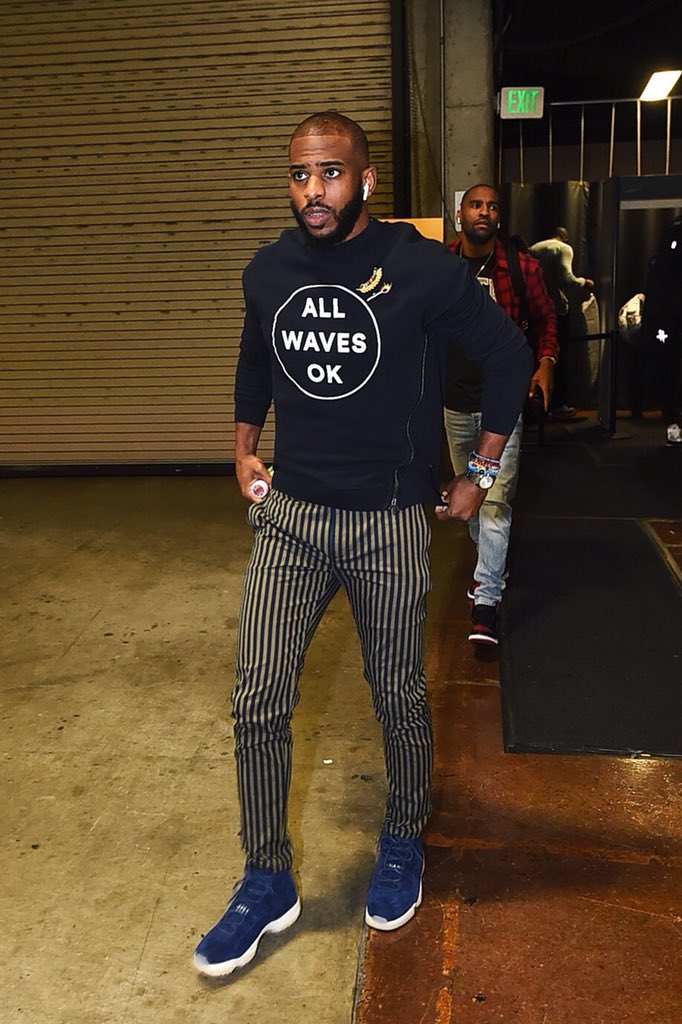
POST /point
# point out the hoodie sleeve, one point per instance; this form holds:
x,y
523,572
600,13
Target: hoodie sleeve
x,y
253,381
474,323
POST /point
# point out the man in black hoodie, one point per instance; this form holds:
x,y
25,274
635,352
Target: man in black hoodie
x,y
347,327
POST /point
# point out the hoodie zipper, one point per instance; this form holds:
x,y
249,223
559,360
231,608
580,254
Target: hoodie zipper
x,y
394,500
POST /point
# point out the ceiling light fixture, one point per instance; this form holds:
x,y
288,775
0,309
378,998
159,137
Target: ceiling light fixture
x,y
660,85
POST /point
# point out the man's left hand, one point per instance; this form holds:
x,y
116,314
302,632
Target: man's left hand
x,y
544,376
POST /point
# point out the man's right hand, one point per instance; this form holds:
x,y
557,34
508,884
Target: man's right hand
x,y
248,469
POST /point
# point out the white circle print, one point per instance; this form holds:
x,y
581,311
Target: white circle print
x,y
327,341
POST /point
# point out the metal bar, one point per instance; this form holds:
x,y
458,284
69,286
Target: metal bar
x,y
613,308
592,103
588,103
582,142
550,154
441,32
639,138
667,139
612,144
521,171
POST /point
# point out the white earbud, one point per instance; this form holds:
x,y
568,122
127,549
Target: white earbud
x,y
365,192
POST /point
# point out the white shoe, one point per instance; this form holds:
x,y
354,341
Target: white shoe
x,y
674,434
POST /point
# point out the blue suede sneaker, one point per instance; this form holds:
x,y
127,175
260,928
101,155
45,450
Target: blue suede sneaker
x,y
263,901
395,891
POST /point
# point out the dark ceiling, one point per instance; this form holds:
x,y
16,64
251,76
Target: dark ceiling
x,y
580,50
586,50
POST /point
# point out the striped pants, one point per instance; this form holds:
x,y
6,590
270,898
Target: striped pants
x,y
302,555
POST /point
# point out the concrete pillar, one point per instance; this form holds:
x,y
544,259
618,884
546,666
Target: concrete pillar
x,y
425,49
468,96
449,45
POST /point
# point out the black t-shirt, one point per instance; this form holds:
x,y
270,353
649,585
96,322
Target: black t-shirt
x,y
463,384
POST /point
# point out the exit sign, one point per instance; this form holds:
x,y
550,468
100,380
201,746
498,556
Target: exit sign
x,y
522,101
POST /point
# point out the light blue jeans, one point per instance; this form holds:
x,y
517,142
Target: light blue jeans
x,y
490,528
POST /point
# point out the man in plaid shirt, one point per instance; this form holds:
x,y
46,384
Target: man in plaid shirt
x,y
486,254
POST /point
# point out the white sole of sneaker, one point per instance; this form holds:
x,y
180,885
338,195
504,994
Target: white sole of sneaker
x,y
389,926
221,970
483,638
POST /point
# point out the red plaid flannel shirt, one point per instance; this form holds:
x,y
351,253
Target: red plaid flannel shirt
x,y
542,330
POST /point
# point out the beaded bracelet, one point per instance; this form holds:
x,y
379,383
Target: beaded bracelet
x,y
483,462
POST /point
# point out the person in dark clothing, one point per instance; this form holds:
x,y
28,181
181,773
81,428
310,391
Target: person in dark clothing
x,y
662,326
489,258
347,327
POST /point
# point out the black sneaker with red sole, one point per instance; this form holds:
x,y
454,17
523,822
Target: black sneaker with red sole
x,y
484,624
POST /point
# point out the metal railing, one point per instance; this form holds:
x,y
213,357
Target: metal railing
x,y
580,107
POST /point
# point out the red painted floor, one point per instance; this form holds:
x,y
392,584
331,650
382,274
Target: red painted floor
x,y
553,884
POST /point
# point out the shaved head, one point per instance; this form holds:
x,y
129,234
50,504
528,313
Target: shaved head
x,y
330,122
481,184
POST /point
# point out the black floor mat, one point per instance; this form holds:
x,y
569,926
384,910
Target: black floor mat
x,y
581,472
591,659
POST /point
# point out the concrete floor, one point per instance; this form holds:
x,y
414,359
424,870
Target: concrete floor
x,y
553,887
118,623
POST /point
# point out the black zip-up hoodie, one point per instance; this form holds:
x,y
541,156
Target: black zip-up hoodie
x,y
351,343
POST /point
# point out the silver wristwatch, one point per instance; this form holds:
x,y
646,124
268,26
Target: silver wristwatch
x,y
483,478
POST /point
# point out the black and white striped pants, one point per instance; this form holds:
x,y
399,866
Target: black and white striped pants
x,y
302,554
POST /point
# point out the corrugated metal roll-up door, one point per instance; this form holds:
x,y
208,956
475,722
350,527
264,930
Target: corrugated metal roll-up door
x,y
144,158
